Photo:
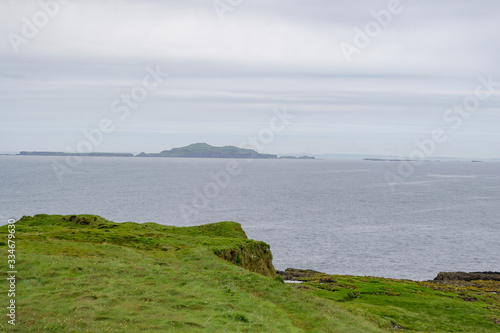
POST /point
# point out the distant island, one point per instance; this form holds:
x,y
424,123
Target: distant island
x,y
195,150
297,158
60,153
408,160
390,160
204,150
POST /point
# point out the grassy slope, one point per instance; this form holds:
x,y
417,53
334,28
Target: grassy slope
x,y
87,274
413,306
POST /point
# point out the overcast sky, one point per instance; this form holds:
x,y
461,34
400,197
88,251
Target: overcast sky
x,y
353,84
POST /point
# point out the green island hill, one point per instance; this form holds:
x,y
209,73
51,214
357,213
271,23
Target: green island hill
x,y
204,150
83,273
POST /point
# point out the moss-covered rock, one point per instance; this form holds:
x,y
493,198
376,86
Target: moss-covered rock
x,y
252,255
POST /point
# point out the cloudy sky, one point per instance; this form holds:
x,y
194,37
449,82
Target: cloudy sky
x,y
361,77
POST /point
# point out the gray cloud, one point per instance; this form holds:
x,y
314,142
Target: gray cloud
x,y
226,76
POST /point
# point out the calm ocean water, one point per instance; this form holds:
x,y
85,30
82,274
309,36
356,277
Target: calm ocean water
x,y
335,216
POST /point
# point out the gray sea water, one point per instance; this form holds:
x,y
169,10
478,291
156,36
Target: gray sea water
x,y
335,216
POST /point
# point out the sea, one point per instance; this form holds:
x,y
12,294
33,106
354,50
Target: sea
x,y
337,216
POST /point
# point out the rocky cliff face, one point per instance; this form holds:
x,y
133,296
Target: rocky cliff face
x,y
252,255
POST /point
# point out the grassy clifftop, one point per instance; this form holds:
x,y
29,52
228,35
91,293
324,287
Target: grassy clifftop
x,y
225,239
87,274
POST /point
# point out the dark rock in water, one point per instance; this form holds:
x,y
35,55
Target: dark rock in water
x,y
297,274
462,276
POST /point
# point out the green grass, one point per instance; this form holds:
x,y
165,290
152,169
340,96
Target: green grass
x,y
86,274
412,306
